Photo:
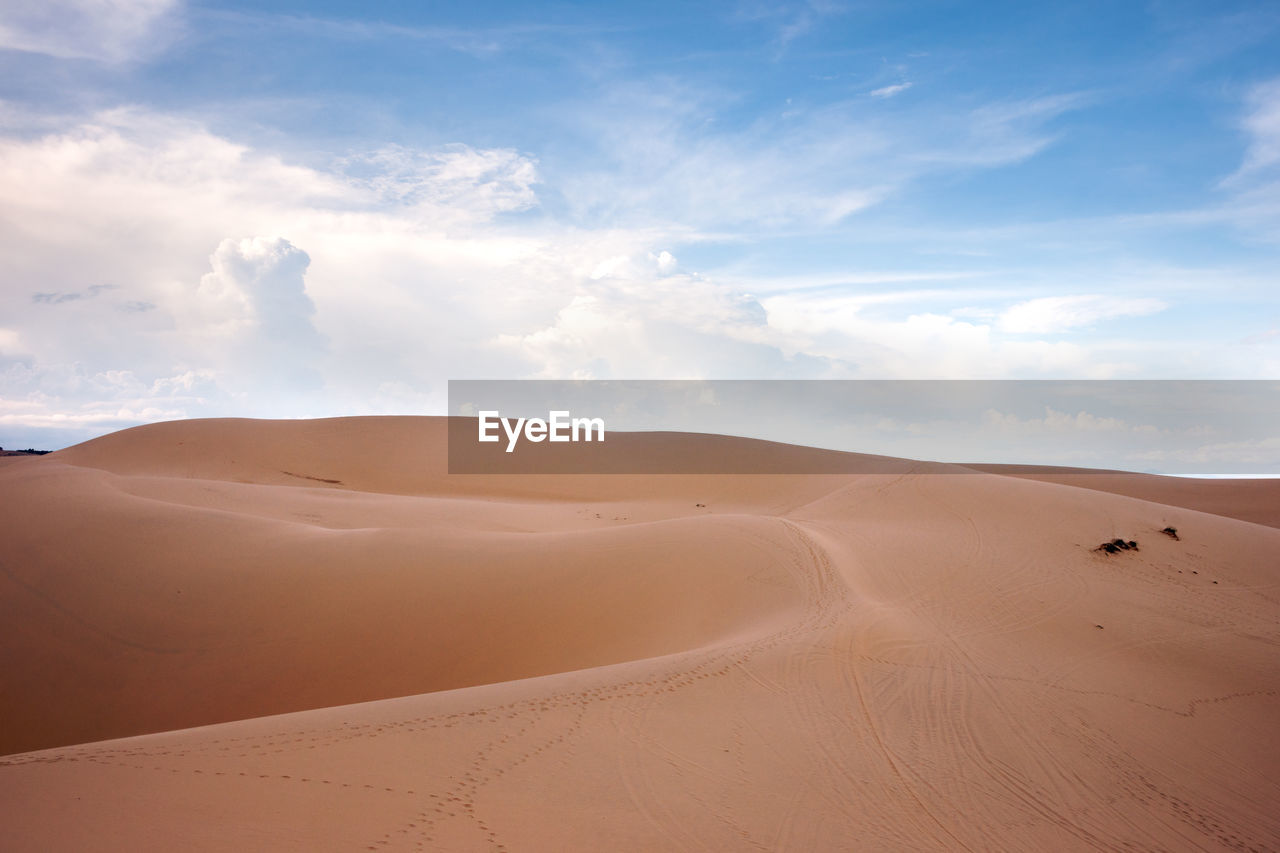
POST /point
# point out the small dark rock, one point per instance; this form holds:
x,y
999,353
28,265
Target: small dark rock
x,y
1171,532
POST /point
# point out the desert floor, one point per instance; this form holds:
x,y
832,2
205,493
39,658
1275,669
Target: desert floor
x,y
305,635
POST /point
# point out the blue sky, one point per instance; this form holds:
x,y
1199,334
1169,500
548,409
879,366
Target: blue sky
x,y
308,209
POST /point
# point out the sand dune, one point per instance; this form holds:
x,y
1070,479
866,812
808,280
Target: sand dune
x,y
884,661
1249,500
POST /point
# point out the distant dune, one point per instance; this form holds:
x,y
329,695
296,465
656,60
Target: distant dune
x,y
893,660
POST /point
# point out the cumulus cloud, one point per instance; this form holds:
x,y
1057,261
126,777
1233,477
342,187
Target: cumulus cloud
x,y
237,276
625,266
257,283
394,271
251,319
142,200
635,322
103,30
665,262
865,343
1055,314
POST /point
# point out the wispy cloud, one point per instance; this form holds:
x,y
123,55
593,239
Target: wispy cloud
x,y
454,177
70,296
664,151
1006,131
890,91
791,20
1253,188
1055,314
1261,123
105,30
480,41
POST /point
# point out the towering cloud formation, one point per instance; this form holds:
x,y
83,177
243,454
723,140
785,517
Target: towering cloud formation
x,y
256,301
260,280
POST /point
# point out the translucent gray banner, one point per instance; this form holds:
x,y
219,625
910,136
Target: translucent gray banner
x,y
1183,427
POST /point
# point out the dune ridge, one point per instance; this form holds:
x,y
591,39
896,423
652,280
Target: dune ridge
x,y
888,660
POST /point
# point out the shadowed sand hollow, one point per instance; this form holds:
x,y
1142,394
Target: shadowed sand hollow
x,y
233,634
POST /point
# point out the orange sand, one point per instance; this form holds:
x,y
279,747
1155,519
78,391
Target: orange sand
x,y
889,661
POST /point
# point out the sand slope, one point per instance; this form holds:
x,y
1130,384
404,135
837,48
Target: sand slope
x,y
895,661
1249,500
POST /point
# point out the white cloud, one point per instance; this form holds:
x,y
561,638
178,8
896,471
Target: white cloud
x,y
861,343
635,266
257,282
996,133
392,272
123,251
793,20
254,316
1055,314
666,152
10,342
890,91
662,158
665,262
119,418
180,271
1262,123
1057,422
1229,454
456,177
653,326
68,400
104,30
1254,202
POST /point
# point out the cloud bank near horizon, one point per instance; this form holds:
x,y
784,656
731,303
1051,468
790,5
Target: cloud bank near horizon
x,y
244,254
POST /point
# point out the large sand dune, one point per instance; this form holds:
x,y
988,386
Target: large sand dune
x,y
895,660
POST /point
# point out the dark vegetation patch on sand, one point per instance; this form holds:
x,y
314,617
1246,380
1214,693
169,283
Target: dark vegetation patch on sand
x,y
1115,546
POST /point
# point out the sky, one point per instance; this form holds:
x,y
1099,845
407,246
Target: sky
x,y
1182,427
321,209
